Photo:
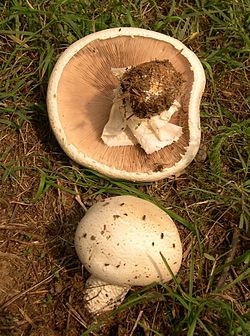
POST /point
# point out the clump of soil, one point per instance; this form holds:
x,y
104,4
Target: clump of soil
x,y
10,266
151,87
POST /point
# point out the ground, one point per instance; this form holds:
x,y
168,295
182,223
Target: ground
x,y
44,194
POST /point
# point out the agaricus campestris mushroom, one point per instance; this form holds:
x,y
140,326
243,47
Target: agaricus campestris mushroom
x,y
121,241
83,95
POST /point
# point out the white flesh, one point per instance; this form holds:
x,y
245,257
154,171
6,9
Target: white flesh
x,y
149,138
115,132
165,131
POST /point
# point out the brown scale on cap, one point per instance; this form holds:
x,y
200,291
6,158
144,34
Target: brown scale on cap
x,y
151,87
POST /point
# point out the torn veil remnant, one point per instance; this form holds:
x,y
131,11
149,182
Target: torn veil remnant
x,y
146,98
80,104
121,242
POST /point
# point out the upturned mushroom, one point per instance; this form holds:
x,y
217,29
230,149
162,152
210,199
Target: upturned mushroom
x,y
85,92
121,241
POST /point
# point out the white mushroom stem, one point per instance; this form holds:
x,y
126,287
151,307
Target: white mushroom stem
x,y
101,296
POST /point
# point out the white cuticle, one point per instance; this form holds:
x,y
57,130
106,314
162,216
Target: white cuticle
x,y
100,296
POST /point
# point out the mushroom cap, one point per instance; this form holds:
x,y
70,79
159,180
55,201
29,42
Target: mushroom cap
x,y
81,92
122,239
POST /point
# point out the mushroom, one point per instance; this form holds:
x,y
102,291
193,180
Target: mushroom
x,y
121,241
83,96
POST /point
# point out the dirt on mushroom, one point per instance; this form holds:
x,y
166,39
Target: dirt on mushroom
x,y
151,87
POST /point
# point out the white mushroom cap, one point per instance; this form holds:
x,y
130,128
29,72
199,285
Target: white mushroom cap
x,y
80,95
120,241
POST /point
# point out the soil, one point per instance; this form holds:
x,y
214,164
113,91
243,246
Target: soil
x,y
151,87
10,266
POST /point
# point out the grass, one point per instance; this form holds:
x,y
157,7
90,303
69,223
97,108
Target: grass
x,y
40,188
